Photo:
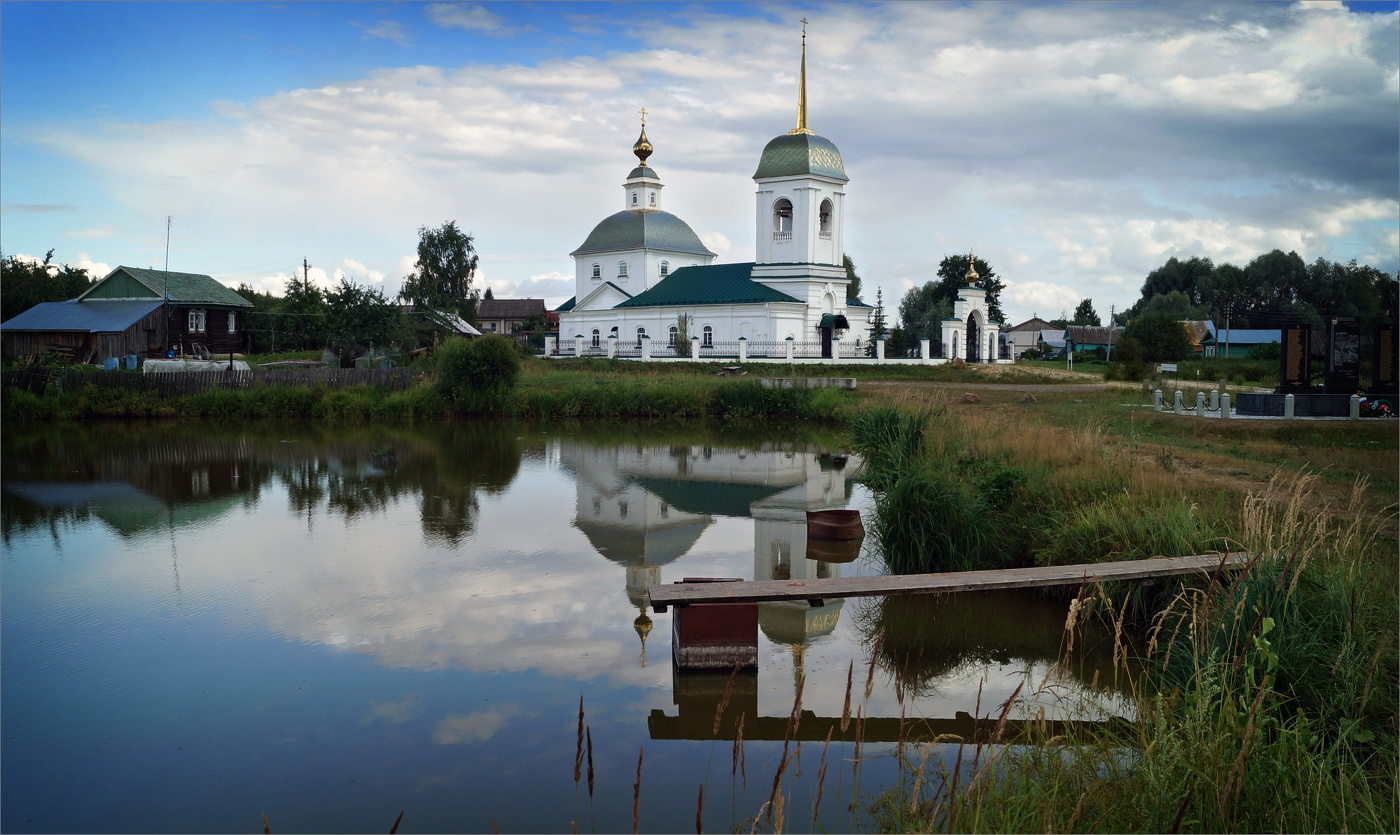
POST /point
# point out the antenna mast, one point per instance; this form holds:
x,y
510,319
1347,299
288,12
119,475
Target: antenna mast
x,y
167,257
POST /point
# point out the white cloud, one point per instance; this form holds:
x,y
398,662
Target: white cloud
x,y
716,242
97,269
1042,296
464,16
389,30
472,727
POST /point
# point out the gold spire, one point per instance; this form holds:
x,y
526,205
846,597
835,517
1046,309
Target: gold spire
x,y
802,88
643,148
643,625
972,275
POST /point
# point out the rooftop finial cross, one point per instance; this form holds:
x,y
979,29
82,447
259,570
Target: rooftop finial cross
x,y
804,28
643,111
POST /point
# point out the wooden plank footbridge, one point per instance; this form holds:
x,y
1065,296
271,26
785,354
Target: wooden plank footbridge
x,y
686,593
716,622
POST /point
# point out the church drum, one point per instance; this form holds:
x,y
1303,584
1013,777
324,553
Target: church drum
x,y
834,524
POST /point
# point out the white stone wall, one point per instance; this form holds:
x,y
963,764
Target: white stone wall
x,y
806,246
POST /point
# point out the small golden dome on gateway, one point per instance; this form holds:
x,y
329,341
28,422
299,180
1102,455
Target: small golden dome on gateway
x,y
972,275
643,148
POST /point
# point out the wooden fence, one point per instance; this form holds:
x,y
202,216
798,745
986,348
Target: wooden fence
x,y
174,384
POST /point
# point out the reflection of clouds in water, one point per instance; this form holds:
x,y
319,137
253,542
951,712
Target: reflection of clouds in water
x,y
473,727
403,710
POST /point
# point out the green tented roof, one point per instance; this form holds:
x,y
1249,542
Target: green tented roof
x,y
710,498
636,230
180,288
642,171
710,284
567,306
794,154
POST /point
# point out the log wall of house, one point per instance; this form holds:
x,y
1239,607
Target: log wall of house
x,y
137,339
216,336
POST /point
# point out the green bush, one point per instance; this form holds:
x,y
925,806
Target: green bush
x,y
479,374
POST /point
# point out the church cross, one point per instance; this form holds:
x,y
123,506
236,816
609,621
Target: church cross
x,y
643,111
804,27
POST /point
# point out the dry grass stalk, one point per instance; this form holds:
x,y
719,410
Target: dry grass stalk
x,y
637,790
860,729
918,782
724,702
700,811
588,732
1232,782
1006,709
821,776
578,750
395,828
846,708
266,829
573,827
870,671
778,815
775,798
738,766
494,828
899,747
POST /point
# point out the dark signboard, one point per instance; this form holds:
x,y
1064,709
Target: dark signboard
x,y
1343,355
1293,359
1383,363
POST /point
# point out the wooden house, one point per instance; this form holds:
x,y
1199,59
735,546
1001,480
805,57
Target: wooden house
x,y
198,310
88,331
502,315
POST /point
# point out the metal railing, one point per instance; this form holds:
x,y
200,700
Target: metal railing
x,y
757,348
782,237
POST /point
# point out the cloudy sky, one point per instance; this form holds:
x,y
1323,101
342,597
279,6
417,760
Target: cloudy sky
x,y
1076,146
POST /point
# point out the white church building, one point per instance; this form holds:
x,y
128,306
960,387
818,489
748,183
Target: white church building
x,y
643,268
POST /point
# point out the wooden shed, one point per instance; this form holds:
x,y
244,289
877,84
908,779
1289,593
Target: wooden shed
x,y
199,311
92,331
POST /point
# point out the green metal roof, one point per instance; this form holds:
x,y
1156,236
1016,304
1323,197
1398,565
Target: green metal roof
x,y
567,306
180,288
635,230
642,171
710,284
795,154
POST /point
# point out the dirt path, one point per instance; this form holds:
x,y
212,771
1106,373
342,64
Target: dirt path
x,y
1031,387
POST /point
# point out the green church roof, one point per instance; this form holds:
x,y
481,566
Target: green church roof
x,y
180,288
795,154
642,171
637,230
710,284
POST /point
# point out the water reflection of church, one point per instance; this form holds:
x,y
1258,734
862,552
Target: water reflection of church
x,y
646,506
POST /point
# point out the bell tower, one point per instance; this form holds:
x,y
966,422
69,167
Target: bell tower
x,y
643,187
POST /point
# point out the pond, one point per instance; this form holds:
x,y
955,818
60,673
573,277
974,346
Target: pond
x,y
202,625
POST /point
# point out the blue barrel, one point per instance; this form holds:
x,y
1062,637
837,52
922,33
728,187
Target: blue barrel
x,y
109,364
130,362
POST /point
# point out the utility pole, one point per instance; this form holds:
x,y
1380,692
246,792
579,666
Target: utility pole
x,y
305,271
1111,308
1229,308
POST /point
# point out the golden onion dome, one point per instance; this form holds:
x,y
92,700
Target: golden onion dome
x,y
972,275
643,148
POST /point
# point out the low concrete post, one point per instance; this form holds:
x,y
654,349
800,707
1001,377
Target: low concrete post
x,y
612,345
1356,407
1156,400
1225,405
1214,399
695,347
1288,407
578,345
646,348
548,346
743,349
879,351
1177,402
790,343
923,350
1200,404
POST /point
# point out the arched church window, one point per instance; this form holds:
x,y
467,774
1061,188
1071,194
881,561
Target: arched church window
x,y
641,332
707,337
665,268
596,336
634,198
673,332
597,271
653,198
782,220
621,269
824,217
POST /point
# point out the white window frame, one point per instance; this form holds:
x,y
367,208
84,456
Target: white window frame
x,y
597,272
665,268
641,332
621,269
596,338
653,198
197,321
707,337
233,321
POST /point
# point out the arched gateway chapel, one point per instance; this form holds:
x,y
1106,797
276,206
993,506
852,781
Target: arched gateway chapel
x,y
640,270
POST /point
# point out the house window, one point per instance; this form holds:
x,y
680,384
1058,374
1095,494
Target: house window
x,y
621,269
597,271
665,268
232,322
824,230
622,509
595,338
196,321
493,327
641,332
708,337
